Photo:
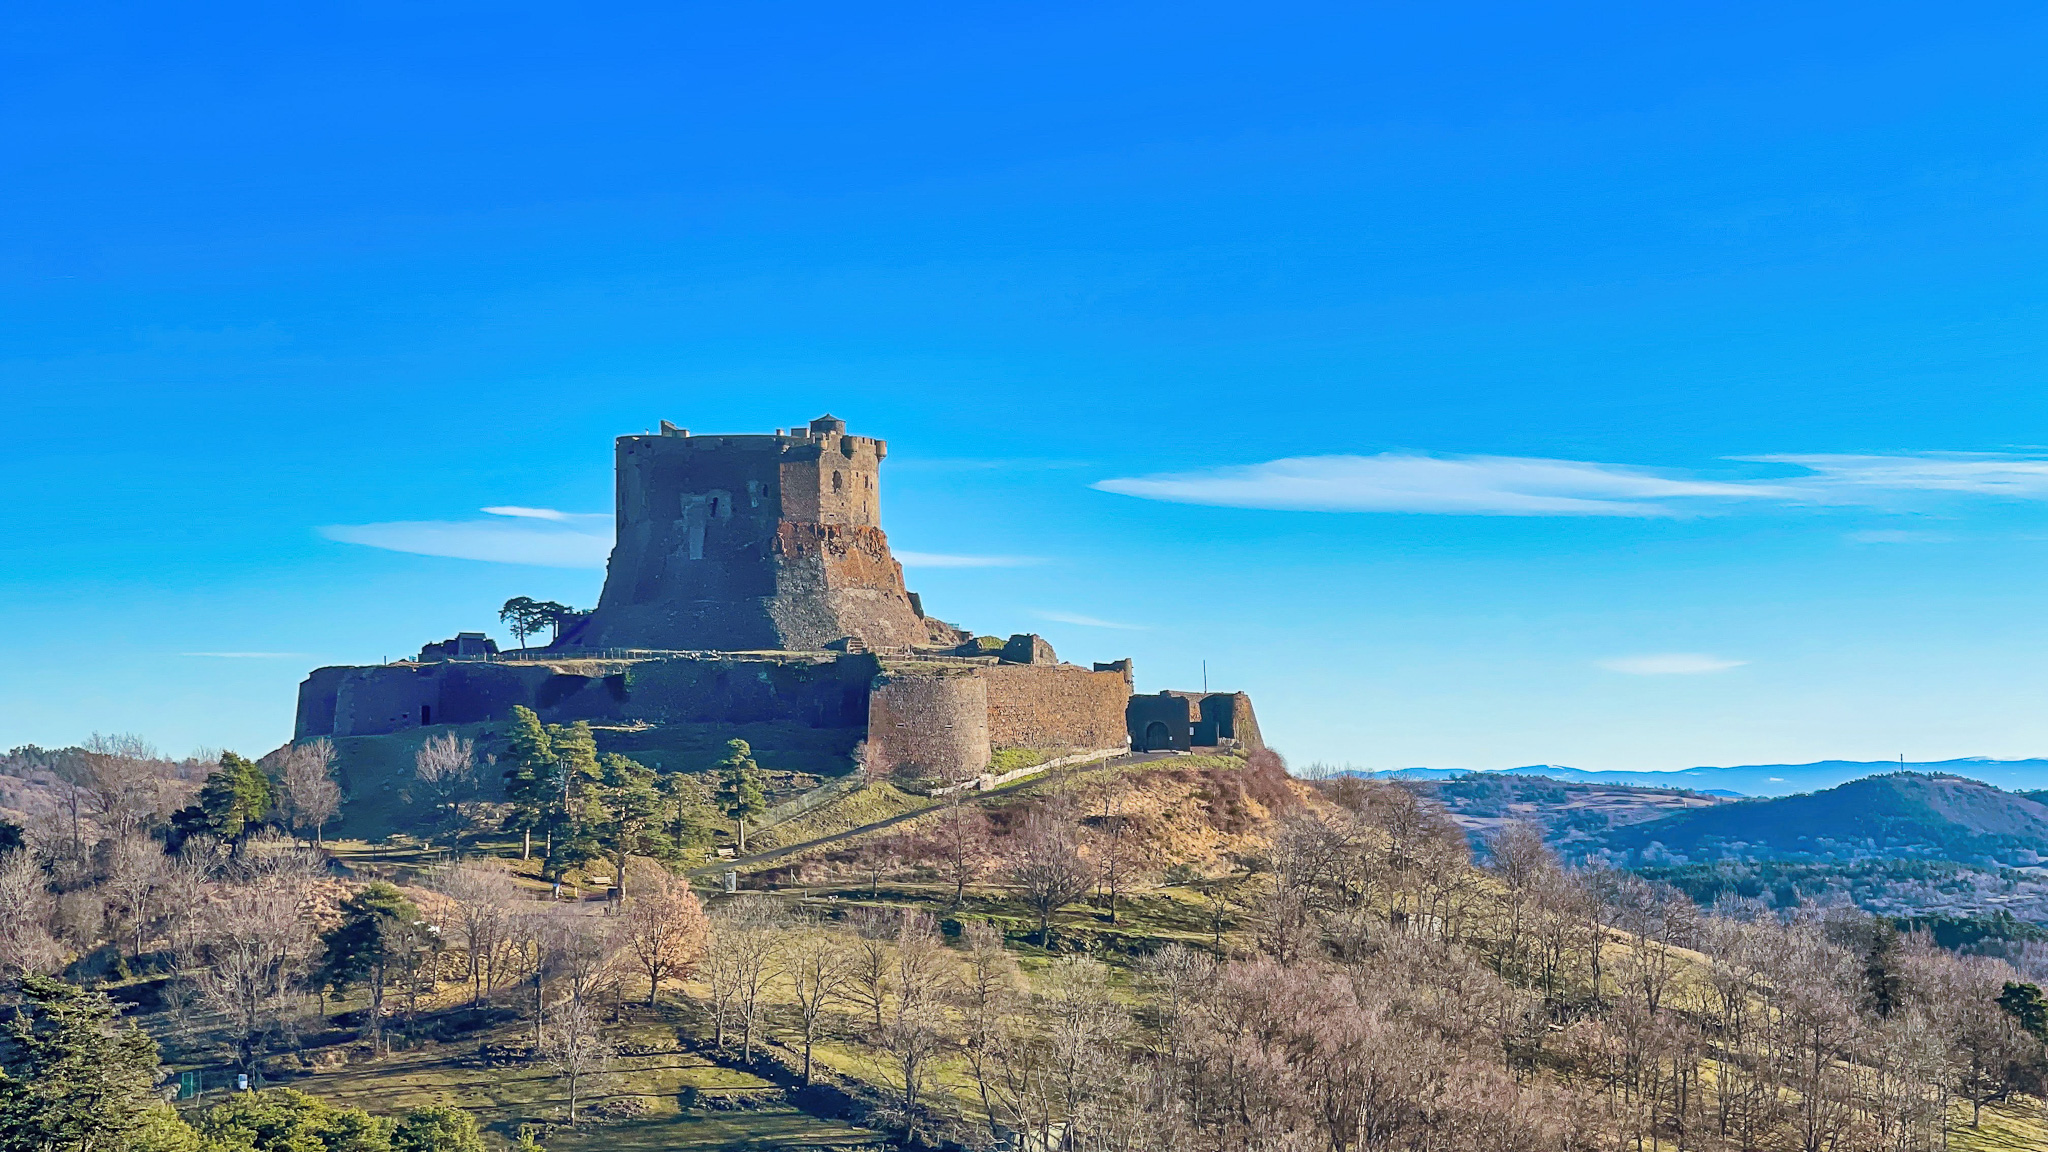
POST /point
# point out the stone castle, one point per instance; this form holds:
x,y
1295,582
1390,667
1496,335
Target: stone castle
x,y
751,584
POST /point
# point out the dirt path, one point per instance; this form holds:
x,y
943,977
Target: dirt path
x,y
717,867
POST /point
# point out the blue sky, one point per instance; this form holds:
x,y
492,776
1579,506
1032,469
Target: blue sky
x,y
1623,386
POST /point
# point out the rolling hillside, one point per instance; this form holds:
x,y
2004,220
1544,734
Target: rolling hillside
x,y
1768,779
1901,814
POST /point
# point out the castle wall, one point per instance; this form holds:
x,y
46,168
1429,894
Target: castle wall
x,y
316,702
820,692
1055,706
373,701
929,724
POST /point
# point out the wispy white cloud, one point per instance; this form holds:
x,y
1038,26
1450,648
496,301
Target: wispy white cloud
x,y
1899,536
944,560
1086,621
249,655
2013,476
555,514
1670,664
539,536
1468,485
1536,486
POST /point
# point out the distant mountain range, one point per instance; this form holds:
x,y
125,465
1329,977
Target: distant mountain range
x,y
1771,779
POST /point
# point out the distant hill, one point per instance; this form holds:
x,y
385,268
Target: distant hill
x,y
1898,815
1771,779
1572,815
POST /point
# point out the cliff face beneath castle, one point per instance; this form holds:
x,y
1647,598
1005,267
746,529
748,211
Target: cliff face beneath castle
x,y
751,543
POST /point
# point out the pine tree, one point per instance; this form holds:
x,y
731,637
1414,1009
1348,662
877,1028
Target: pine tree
x,y
75,1079
631,803
233,802
1884,985
2024,1003
381,934
740,795
528,777
570,812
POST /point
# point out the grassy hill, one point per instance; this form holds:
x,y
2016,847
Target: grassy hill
x,y
1901,814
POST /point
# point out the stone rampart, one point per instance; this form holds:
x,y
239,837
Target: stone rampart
x,y
814,691
931,723
1055,707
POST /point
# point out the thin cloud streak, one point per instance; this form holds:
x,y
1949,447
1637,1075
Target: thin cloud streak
x,y
1454,485
945,560
542,513
542,537
1975,473
1670,664
1535,486
1086,621
249,655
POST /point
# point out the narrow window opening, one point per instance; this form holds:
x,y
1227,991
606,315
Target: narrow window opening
x,y
838,482
426,714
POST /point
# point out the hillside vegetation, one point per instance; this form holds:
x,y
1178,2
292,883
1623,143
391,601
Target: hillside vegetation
x,y
1141,955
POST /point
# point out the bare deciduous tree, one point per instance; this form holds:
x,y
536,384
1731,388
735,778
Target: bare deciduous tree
x,y
480,898
1047,868
444,773
308,797
818,966
27,944
574,1044
136,874
744,935
665,928
250,954
871,949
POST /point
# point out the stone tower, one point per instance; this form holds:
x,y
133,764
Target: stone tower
x,y
749,543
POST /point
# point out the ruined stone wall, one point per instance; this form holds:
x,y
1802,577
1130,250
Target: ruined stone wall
x,y
834,581
929,724
1055,706
820,692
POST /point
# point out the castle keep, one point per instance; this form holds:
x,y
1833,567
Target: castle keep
x,y
753,543
751,588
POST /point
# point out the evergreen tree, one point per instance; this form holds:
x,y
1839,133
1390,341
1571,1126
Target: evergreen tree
x,y
233,802
1884,985
381,935
571,811
740,795
524,616
631,804
75,1080
529,776
687,816
285,1120
436,1128
2024,1003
